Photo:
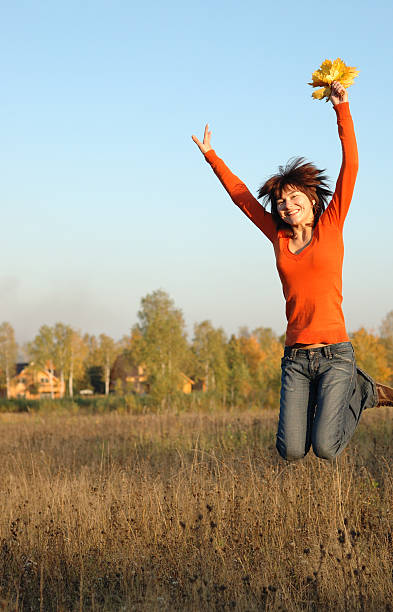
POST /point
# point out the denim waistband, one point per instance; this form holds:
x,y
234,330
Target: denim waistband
x,y
327,351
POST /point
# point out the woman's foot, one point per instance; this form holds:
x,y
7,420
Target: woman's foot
x,y
385,395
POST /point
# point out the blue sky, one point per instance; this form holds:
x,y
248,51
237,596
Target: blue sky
x,y
104,196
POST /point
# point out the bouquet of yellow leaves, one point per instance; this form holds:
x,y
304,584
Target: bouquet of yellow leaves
x,y
329,72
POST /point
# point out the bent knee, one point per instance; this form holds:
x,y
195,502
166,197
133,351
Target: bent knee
x,y
326,452
290,453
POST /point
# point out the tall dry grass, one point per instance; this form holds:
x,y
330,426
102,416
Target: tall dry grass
x,y
191,512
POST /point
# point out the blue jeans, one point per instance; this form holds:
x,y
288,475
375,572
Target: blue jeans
x,y
323,394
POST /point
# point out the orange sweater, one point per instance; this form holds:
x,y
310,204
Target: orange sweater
x,y
311,280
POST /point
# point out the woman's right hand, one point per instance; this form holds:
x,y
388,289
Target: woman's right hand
x,y
339,93
204,146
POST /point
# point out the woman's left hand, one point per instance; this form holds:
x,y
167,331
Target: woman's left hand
x,y
339,93
204,146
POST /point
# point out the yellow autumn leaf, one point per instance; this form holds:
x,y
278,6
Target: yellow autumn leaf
x,y
320,75
337,70
325,67
317,80
348,78
319,94
332,71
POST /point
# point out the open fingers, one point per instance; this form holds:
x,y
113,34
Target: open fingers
x,y
205,145
206,135
196,140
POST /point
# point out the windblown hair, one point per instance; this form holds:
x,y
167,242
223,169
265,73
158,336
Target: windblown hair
x,y
303,176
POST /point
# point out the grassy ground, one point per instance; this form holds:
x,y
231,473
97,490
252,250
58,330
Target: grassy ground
x,y
191,512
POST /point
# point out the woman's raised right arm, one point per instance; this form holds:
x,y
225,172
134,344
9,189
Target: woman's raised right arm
x,y
237,190
338,207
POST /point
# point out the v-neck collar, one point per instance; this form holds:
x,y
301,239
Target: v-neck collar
x,y
303,252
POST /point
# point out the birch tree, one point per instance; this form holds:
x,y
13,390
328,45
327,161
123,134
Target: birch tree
x,y
62,338
77,352
92,377
239,379
43,351
107,351
209,349
269,376
160,344
387,339
8,354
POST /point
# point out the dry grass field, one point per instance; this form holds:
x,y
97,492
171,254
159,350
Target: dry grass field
x,y
191,512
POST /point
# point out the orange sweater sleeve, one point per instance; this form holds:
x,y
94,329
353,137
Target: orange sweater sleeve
x,y
338,207
242,197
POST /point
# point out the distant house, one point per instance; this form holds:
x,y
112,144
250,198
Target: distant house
x,y
129,376
200,385
33,382
187,383
134,378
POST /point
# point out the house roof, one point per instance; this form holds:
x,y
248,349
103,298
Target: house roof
x,y
187,378
20,366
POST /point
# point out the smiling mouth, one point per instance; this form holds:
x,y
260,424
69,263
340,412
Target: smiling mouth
x,y
293,212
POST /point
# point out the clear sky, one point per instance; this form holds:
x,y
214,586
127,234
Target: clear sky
x,y
105,197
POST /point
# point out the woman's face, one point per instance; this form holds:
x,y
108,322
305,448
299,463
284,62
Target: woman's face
x,y
294,207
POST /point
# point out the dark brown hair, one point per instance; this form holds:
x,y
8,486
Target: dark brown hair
x,y
303,176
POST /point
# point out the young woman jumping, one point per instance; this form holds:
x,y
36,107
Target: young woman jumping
x,y
323,393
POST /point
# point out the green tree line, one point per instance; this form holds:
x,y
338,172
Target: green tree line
x,y
243,368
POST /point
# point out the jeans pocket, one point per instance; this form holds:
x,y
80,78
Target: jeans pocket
x,y
346,357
